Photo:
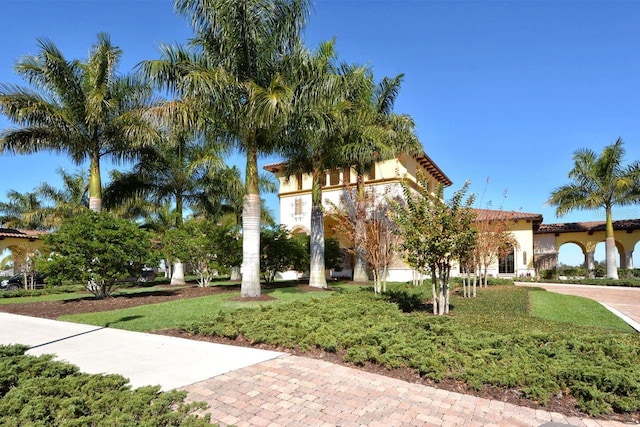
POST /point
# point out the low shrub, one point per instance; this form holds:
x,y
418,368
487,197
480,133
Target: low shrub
x,y
631,283
47,290
40,391
488,340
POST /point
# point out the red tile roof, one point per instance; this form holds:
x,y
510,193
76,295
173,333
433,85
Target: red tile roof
x,y
21,234
492,215
589,226
424,160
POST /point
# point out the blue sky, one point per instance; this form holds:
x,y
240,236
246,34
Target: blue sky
x,y
499,90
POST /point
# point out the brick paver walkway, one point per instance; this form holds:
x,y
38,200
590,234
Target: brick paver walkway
x,y
297,391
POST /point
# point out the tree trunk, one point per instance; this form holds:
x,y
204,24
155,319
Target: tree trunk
x,y
95,184
475,280
317,278
360,264
250,286
376,282
251,212
441,297
235,273
177,276
610,248
434,293
385,272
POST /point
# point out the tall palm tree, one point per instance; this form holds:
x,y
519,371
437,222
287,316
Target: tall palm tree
x,y
314,135
375,133
600,182
237,68
84,109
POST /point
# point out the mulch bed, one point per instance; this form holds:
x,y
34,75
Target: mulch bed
x,y
53,309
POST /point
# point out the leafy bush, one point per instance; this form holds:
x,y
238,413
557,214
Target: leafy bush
x,y
488,340
96,249
41,391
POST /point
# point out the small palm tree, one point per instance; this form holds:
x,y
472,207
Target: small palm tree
x,y
23,210
600,182
314,134
66,202
83,109
375,134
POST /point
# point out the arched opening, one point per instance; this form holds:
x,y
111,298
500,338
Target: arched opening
x,y
571,254
6,263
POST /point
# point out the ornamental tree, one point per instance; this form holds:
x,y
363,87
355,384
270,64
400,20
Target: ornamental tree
x,y
435,233
97,249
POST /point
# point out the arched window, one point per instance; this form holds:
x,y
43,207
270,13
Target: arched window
x,y
506,264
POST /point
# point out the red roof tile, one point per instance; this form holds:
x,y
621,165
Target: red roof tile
x,y
21,234
589,226
492,215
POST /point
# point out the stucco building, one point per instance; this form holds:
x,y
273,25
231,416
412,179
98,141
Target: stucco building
x,y
537,244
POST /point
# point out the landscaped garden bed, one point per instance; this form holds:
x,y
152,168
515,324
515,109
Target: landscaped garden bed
x,y
491,346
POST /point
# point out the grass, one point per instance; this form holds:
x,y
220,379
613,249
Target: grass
x,y
176,313
574,310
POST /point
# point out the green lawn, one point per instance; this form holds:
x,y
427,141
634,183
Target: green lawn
x,y
574,310
173,314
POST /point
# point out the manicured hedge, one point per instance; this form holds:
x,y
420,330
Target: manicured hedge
x,y
38,391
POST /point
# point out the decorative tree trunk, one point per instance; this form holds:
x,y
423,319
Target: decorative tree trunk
x,y
360,264
95,185
317,277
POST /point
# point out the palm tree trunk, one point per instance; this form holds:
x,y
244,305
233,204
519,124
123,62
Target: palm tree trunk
x,y
317,277
95,184
251,208
235,273
360,264
177,276
610,247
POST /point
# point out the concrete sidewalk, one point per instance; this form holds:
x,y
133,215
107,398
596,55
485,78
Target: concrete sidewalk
x,y
146,359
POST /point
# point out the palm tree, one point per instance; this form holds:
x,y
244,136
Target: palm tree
x,y
375,134
22,210
314,135
237,69
181,169
66,202
83,109
600,182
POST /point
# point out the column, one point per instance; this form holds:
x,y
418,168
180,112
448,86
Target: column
x,y
628,260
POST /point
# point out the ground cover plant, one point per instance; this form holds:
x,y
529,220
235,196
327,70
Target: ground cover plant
x,y
490,345
491,340
39,391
